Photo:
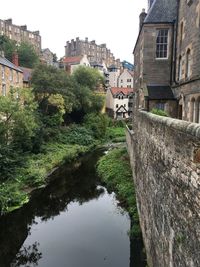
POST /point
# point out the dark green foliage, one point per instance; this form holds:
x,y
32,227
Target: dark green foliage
x,y
88,77
27,55
159,112
97,123
8,46
115,170
76,135
115,134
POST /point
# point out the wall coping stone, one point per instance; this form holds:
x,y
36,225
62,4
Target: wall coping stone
x,y
180,125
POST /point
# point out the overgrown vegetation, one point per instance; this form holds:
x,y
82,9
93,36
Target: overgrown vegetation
x,y
38,129
159,112
114,169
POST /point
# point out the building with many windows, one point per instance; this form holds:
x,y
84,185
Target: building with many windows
x,y
125,78
167,58
20,34
95,53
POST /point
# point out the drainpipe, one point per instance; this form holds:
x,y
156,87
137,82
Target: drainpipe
x,y
175,46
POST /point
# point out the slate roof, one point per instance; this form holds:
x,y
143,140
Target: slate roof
x,y
158,92
7,63
162,11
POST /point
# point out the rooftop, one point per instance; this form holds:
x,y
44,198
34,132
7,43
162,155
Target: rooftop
x,y
123,90
158,92
72,60
162,11
7,63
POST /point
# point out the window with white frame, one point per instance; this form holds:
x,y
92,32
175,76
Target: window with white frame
x,y
162,43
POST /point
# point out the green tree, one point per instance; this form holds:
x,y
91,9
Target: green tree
x,y
53,91
17,119
97,123
7,46
27,55
88,77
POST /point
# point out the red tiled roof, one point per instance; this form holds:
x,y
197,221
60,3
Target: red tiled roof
x,y
125,91
72,60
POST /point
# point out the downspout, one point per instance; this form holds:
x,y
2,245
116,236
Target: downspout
x,y
175,46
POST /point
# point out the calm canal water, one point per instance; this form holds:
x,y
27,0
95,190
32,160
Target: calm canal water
x,y
74,222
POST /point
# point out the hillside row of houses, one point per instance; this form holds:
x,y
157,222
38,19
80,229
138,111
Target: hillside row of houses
x,y
167,58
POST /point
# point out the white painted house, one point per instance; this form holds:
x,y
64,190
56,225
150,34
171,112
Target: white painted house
x,y
114,73
119,102
72,63
125,79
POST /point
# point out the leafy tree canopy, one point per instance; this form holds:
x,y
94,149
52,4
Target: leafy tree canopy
x,y
27,55
88,77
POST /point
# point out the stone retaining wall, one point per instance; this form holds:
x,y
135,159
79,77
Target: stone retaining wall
x,y
165,157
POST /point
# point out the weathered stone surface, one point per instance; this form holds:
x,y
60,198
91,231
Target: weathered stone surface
x,y
164,155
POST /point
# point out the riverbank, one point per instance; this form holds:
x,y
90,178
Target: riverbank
x,y
16,192
114,169
66,148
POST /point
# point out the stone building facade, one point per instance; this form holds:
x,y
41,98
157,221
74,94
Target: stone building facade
x,y
11,76
95,53
187,80
20,34
167,54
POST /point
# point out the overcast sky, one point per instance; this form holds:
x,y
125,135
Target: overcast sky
x,y
114,22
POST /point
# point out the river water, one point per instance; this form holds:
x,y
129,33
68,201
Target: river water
x,y
73,222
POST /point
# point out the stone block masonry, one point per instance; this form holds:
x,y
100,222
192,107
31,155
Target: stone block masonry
x,y
165,157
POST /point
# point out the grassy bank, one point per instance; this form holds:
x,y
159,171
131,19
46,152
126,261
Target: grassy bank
x,y
32,173
67,145
115,171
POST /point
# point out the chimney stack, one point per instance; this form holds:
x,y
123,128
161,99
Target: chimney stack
x,y
15,59
142,18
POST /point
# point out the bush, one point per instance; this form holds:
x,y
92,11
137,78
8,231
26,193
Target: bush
x,y
79,135
159,112
97,123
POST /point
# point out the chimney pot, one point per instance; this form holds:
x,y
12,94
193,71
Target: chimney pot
x,y
15,59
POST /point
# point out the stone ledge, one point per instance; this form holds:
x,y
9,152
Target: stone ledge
x,y
183,126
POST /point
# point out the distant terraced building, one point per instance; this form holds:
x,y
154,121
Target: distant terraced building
x,y
95,53
20,34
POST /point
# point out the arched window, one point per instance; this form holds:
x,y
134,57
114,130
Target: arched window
x,y
180,68
181,33
188,63
198,110
192,110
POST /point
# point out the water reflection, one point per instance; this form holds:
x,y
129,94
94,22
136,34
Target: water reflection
x,y
48,207
28,255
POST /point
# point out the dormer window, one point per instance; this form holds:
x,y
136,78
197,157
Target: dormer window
x,y
162,44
